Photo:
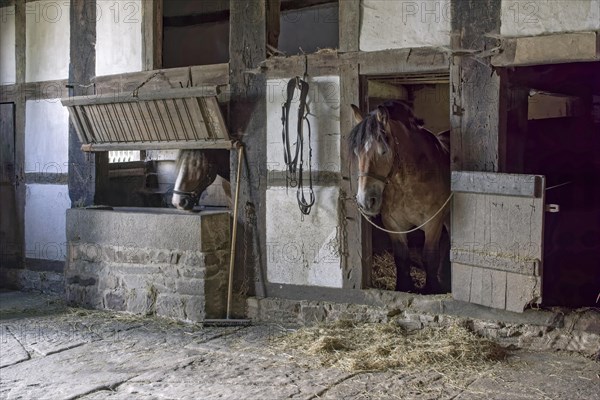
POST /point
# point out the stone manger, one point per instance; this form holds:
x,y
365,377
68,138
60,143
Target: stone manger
x,y
149,261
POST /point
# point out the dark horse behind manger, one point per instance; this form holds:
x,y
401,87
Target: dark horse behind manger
x,y
404,175
197,170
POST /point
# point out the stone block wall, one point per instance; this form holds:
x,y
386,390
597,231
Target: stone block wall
x,y
167,263
569,330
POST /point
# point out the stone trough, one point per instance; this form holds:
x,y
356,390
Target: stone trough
x,y
149,261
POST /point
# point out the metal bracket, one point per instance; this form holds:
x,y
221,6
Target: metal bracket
x,y
552,208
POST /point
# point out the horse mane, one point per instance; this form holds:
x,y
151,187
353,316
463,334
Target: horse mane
x,y
370,127
217,158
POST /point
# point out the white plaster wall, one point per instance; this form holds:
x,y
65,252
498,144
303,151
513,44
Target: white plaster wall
x,y
47,44
45,210
118,37
324,103
303,252
46,137
534,17
392,24
7,45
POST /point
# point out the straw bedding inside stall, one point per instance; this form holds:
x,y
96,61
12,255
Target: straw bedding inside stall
x,y
383,275
450,350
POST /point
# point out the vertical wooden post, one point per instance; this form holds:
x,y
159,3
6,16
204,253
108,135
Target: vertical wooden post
x,y
247,122
152,34
349,25
20,42
273,22
513,125
82,68
356,238
475,88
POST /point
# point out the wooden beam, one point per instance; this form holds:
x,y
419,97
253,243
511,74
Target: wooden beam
x,y
512,124
152,34
247,122
216,74
400,61
349,25
82,69
273,23
20,39
20,101
356,241
550,49
320,64
34,91
474,87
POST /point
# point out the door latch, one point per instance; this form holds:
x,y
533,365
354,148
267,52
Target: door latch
x,y
552,208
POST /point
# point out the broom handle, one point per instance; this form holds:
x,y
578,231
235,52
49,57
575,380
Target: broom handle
x,y
240,149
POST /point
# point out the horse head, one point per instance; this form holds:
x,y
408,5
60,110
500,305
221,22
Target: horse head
x,y
195,173
372,142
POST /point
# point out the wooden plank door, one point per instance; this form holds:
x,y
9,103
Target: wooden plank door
x,y
9,229
497,239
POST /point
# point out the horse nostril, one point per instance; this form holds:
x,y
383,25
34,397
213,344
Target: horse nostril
x,y
183,203
371,202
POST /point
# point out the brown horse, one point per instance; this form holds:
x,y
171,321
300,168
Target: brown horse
x,y
404,175
197,170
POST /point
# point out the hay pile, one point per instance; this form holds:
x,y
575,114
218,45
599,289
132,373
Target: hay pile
x,y
383,275
354,347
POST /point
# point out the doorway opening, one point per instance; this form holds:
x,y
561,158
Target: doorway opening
x,y
429,97
559,137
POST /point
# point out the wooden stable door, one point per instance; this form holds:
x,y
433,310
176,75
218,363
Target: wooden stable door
x,y
497,239
9,229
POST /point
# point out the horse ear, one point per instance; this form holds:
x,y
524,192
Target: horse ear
x,y
357,114
382,115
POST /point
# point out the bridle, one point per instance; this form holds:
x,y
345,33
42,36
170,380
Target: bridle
x,y
194,195
295,164
383,179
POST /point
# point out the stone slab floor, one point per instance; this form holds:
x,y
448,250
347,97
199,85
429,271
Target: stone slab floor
x,y
50,351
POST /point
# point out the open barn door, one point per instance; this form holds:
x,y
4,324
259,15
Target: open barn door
x,y
497,239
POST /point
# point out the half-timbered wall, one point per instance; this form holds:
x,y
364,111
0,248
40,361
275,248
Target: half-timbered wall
x,y
37,42
304,250
539,17
402,24
119,37
8,73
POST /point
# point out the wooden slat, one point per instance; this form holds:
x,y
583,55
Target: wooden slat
x,y
201,91
519,265
495,183
497,248
78,125
171,78
200,124
172,145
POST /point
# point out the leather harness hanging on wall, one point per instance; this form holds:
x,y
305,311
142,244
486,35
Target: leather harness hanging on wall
x,y
295,164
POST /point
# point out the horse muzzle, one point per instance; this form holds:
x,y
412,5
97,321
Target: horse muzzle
x,y
369,202
182,202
